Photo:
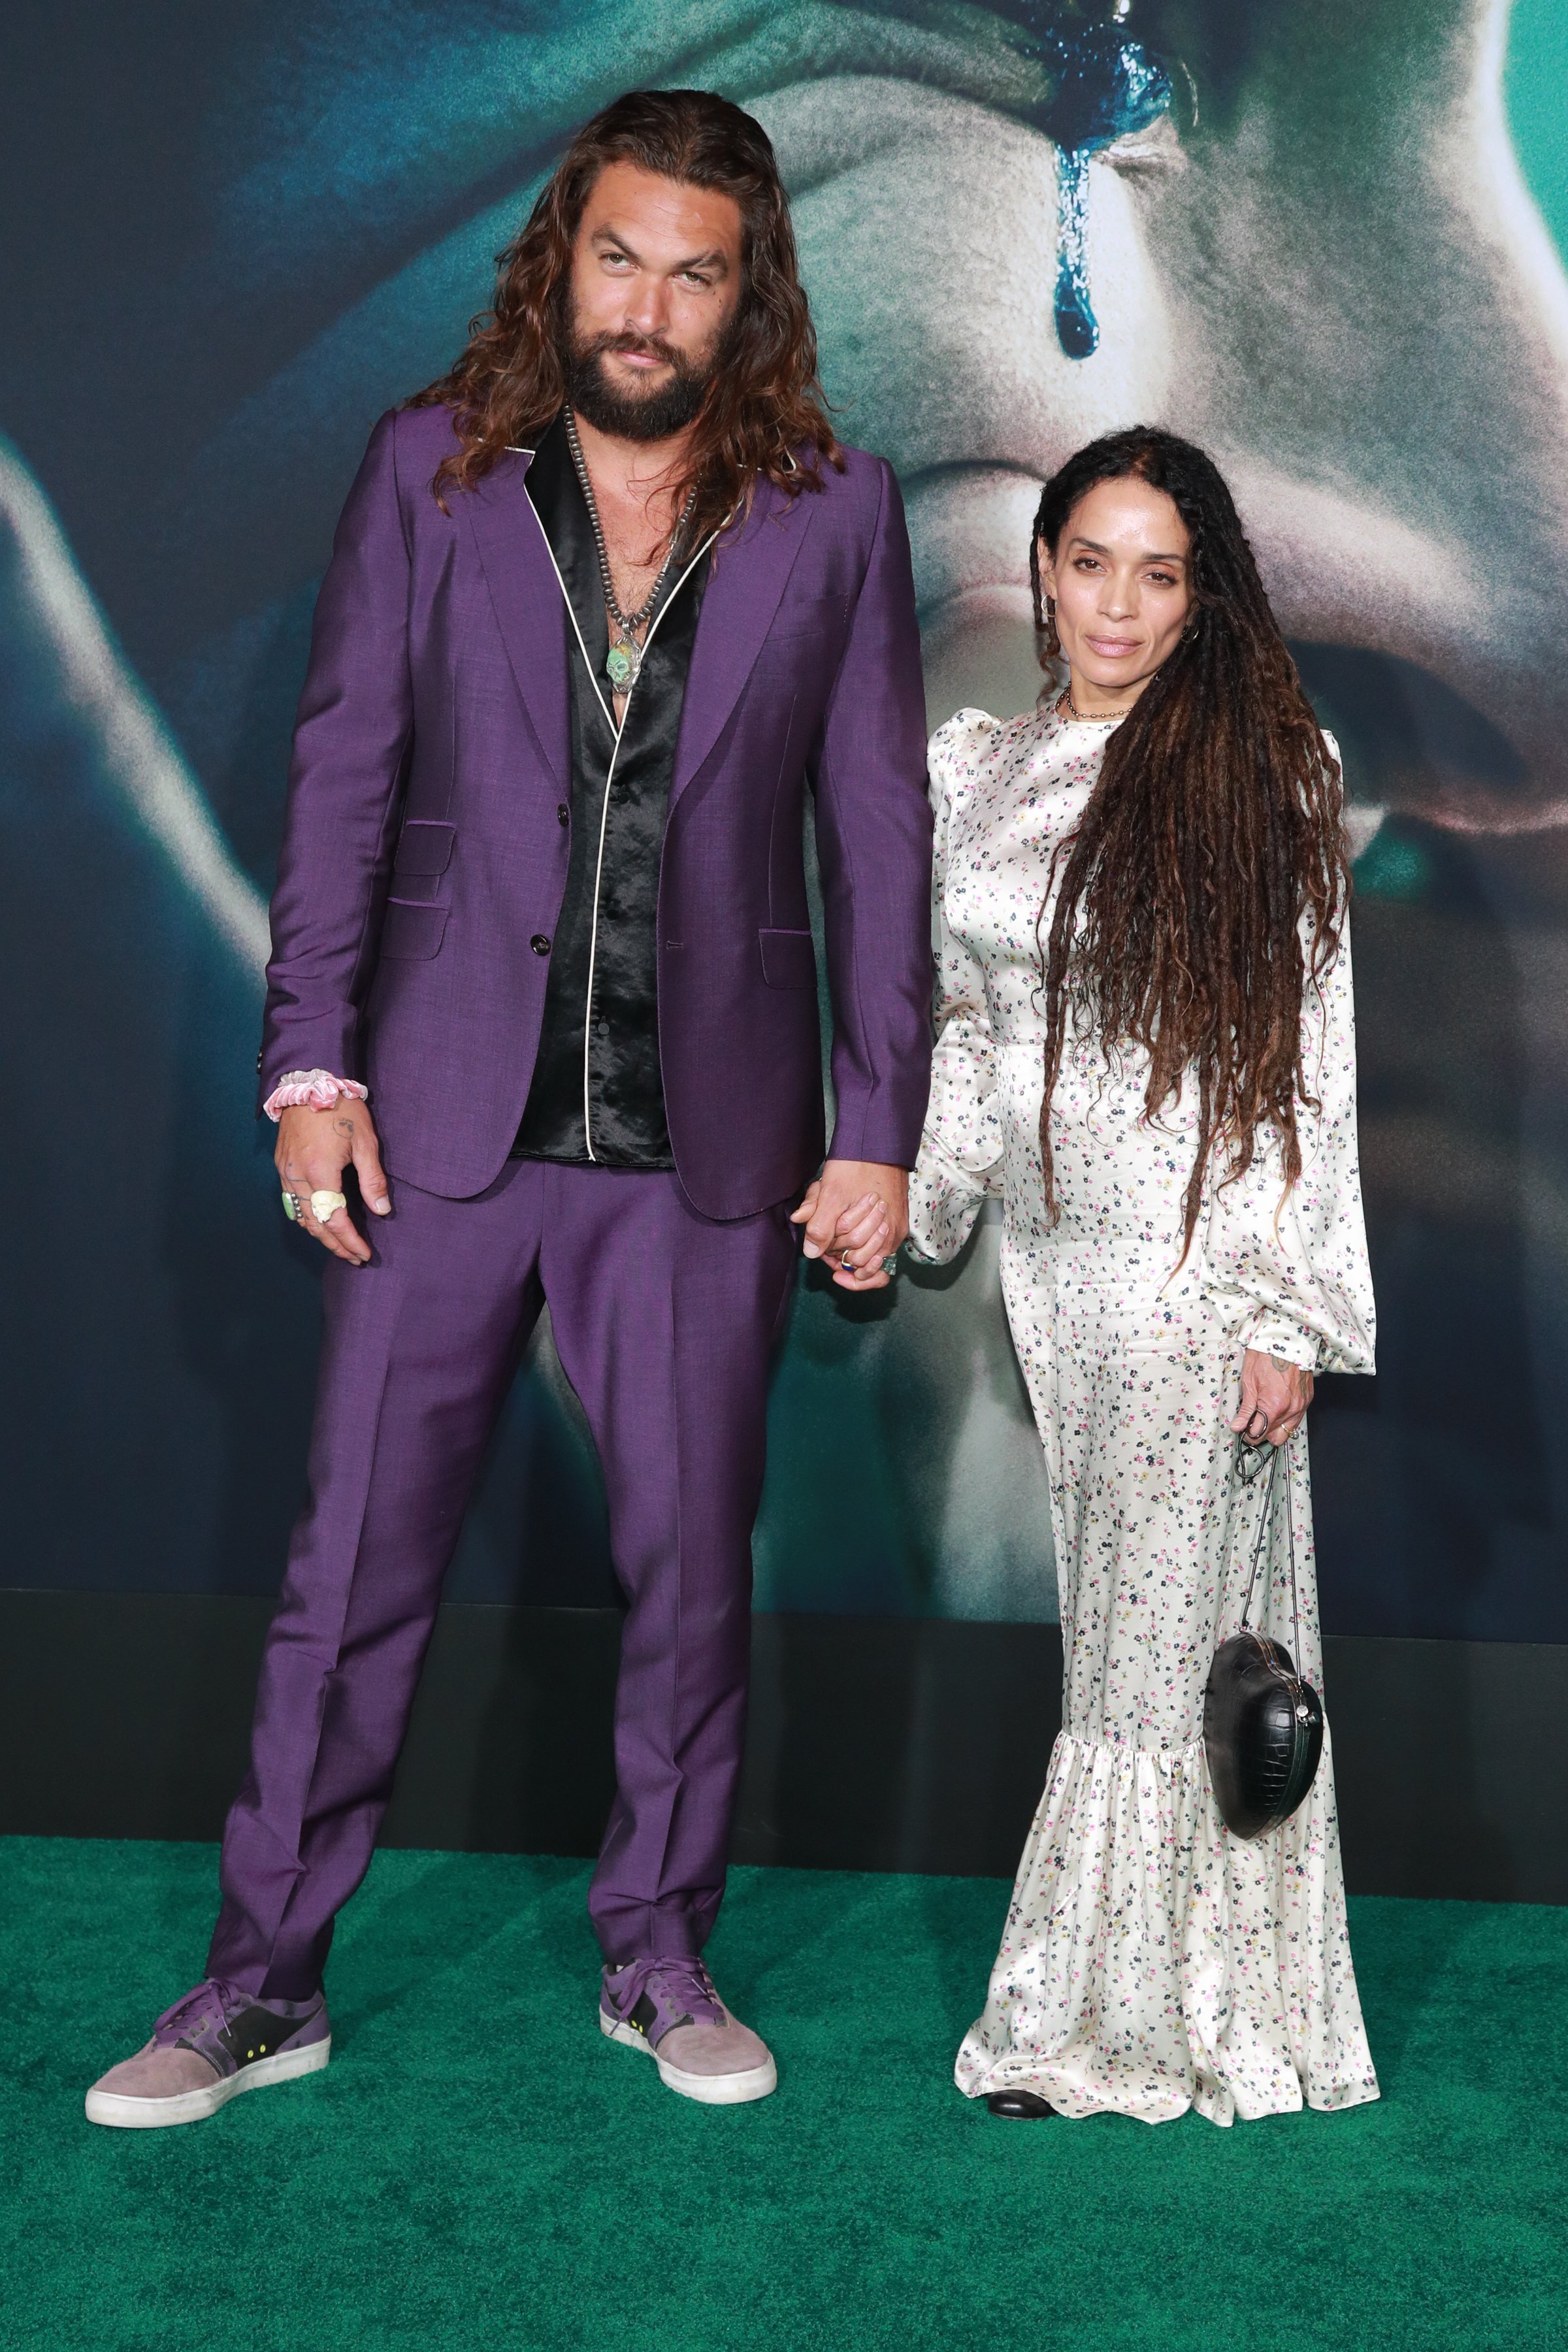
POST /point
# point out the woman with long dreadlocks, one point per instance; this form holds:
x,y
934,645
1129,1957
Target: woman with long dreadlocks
x,y
1146,1051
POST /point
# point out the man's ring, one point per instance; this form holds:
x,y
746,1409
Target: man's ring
x,y
289,1210
323,1204
848,1263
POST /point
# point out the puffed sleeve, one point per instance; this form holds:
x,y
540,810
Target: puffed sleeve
x,y
1289,1271
961,1153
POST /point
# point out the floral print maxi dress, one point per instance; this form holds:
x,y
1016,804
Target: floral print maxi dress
x,y
1150,1962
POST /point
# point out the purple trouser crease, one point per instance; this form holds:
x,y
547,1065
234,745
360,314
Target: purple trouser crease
x,y
649,1301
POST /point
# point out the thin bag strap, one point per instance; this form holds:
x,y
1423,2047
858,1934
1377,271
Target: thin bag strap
x,y
1290,1539
1265,1521
1265,1524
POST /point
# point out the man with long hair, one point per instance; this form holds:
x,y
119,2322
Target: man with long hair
x,y
605,601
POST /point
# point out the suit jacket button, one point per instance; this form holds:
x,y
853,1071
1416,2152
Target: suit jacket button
x,y
563,814
540,944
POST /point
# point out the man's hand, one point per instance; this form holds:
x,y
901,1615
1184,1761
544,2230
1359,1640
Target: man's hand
x,y
855,1213
1274,1399
314,1147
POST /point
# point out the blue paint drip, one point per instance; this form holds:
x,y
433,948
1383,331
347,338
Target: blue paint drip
x,y
1107,87
1078,329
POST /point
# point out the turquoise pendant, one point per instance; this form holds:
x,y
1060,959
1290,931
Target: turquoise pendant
x,y
623,662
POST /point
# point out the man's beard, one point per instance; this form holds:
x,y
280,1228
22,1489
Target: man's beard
x,y
625,414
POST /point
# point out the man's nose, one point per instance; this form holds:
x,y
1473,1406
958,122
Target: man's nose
x,y
648,307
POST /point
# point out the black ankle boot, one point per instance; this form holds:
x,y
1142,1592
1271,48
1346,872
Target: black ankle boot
x,y
1019,2107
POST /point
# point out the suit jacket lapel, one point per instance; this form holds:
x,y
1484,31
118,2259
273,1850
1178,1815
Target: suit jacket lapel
x,y
528,601
750,568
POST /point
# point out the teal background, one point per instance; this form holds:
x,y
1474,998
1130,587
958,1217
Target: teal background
x,y
1536,85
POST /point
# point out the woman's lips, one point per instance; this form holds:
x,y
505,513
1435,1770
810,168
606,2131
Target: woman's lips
x,y
1111,648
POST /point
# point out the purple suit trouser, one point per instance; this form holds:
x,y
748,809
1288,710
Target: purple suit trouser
x,y
665,1321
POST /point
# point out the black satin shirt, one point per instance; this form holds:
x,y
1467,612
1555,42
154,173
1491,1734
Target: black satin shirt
x,y
597,1096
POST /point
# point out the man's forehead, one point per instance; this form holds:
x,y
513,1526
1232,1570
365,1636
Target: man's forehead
x,y
627,199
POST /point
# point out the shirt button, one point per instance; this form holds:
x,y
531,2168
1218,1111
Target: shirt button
x,y
563,814
540,944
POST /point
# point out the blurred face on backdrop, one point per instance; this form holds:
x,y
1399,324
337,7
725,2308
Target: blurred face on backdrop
x,y
1261,272
656,277
1120,579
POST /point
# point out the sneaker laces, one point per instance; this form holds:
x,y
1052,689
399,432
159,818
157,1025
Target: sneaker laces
x,y
683,1980
211,1990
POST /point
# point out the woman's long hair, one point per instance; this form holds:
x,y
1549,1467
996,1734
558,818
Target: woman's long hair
x,y
1216,821
764,406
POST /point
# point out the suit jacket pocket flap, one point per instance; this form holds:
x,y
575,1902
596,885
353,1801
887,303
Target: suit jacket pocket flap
x,y
412,933
426,847
789,960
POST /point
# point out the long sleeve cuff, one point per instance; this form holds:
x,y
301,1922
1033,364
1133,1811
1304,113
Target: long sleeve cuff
x,y
945,1200
1289,1341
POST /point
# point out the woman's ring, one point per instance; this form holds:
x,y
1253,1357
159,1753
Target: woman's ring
x,y
289,1210
890,1267
323,1204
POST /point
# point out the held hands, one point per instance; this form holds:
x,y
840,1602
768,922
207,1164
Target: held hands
x,y
314,1147
1274,1399
857,1210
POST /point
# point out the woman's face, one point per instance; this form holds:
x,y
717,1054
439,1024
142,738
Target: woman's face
x,y
1122,579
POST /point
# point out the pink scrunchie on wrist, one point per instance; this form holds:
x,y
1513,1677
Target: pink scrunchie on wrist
x,y
310,1090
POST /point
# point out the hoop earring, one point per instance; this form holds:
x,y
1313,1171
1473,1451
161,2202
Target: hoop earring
x,y
1053,642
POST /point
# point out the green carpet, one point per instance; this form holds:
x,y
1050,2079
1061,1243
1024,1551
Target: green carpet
x,y
479,2170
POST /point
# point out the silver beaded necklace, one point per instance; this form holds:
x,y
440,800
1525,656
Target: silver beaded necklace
x,y
623,659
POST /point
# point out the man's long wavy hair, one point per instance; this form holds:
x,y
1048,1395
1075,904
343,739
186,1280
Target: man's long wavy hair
x,y
763,415
1216,824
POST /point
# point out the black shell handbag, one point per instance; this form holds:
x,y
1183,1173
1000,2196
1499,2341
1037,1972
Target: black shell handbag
x,y
1263,1725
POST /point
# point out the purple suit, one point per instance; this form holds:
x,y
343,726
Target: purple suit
x,y
423,868
403,919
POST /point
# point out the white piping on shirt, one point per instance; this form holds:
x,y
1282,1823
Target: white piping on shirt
x,y
566,600
609,780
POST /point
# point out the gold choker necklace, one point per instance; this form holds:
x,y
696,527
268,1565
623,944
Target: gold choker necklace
x,y
1090,718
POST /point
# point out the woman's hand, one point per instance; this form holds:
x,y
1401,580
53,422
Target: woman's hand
x,y
1274,1399
855,1214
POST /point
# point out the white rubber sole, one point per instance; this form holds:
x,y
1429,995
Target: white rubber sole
x,y
708,2090
124,2114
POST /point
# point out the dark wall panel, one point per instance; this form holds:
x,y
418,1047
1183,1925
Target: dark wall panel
x,y
875,1743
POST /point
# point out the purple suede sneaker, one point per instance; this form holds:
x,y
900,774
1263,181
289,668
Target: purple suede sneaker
x,y
206,2050
669,2009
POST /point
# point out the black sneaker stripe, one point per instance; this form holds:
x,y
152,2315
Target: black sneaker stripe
x,y
646,2013
258,2033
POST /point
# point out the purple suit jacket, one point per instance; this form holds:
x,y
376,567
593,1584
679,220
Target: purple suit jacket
x,y
423,851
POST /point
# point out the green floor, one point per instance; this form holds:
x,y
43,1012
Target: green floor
x,y
478,2169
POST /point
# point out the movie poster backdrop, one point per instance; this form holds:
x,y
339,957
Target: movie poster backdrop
x,y
1319,241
